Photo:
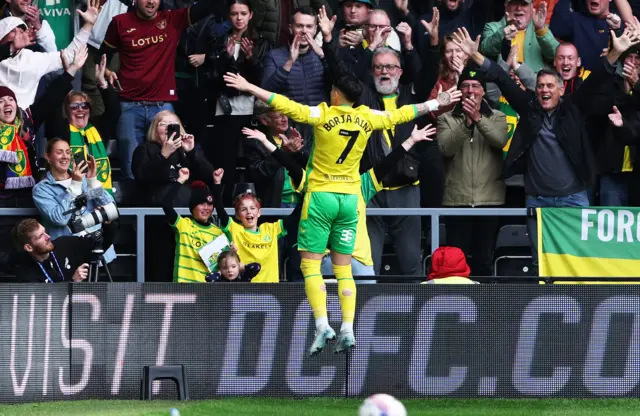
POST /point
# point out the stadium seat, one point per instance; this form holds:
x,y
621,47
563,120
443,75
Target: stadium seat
x,y
512,251
126,193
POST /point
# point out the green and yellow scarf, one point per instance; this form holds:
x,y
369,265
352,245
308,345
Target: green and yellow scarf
x,y
88,141
14,152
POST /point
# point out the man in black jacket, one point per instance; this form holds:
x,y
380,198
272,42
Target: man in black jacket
x,y
386,88
66,259
615,158
554,150
194,66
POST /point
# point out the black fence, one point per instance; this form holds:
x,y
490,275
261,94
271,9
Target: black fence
x,y
241,339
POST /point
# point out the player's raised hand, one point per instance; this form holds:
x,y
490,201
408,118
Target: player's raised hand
x,y
236,81
217,176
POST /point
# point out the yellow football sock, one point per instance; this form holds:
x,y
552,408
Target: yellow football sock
x,y
346,292
314,287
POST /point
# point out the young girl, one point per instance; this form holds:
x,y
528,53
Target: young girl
x,y
240,51
231,269
192,234
256,244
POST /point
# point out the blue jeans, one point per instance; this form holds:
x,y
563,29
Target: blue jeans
x,y
357,268
614,189
579,199
135,119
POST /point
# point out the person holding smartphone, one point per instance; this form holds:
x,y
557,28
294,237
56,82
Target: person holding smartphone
x,y
156,166
68,177
85,131
157,161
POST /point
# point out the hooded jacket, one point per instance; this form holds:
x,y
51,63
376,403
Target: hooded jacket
x,y
473,157
22,72
45,38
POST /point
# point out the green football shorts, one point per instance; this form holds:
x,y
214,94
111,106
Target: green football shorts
x,y
328,220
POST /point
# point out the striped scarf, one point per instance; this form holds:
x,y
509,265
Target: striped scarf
x,y
88,141
13,152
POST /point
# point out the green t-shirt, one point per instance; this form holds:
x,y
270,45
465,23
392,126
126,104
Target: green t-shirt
x,y
59,14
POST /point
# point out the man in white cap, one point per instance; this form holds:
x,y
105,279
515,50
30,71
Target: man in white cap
x,y
23,70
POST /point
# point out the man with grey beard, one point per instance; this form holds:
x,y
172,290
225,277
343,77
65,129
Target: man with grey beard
x,y
386,88
387,92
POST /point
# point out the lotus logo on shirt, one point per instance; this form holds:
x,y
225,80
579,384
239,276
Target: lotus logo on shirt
x,y
148,40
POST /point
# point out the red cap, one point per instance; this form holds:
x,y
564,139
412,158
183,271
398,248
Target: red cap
x,y
6,91
447,262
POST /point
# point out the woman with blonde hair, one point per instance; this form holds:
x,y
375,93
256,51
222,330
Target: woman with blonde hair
x,y
157,161
156,165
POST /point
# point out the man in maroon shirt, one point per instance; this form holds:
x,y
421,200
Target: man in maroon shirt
x,y
146,39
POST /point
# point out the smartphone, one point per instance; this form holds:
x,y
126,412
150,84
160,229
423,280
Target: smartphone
x,y
78,158
350,28
173,128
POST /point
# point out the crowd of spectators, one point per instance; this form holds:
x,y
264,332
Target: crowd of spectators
x,y
135,100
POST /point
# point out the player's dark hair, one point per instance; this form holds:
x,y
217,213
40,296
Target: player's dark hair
x,y
349,85
304,10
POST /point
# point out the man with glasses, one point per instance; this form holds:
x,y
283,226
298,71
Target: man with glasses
x,y
471,138
385,88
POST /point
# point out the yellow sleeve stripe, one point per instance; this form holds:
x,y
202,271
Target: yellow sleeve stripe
x,y
415,110
376,183
108,44
270,100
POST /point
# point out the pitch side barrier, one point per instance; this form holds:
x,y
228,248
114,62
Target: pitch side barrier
x,y
81,341
434,213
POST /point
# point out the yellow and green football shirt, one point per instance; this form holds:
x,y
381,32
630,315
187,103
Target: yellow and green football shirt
x,y
260,246
340,137
191,236
368,188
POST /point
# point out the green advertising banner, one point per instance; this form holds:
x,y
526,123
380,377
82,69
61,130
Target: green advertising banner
x,y
59,14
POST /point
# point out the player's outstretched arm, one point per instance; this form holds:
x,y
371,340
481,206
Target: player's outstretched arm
x,y
241,84
382,120
299,112
450,96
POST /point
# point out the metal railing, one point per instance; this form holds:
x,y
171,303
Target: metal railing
x,y
434,213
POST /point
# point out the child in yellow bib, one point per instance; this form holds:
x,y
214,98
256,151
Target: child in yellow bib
x,y
255,243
